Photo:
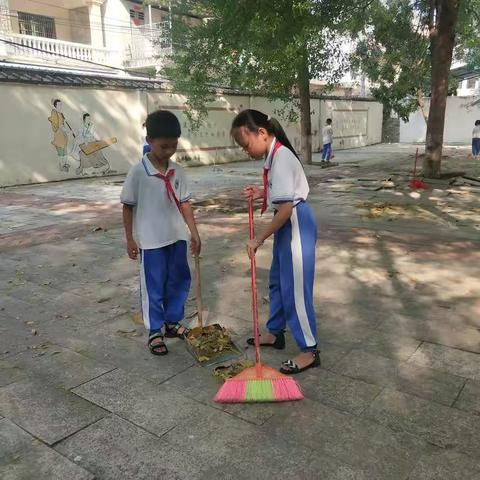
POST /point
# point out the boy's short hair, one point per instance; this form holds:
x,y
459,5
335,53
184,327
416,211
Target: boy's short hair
x,y
162,123
477,122
329,121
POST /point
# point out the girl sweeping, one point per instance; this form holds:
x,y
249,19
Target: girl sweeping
x,y
295,233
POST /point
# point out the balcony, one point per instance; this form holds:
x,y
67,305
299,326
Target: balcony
x,y
41,50
149,46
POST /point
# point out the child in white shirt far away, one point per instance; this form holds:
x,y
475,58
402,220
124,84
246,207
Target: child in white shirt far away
x,y
327,133
476,140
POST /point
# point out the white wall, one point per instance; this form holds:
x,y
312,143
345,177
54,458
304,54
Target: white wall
x,y
459,121
355,123
27,154
116,19
291,129
212,141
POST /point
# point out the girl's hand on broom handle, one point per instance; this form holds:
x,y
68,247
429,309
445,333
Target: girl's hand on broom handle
x,y
252,246
253,191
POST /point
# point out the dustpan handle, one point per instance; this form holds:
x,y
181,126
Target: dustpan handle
x,y
253,274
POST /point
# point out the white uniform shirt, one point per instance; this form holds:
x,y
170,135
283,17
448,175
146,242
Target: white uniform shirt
x,y
476,131
286,178
157,219
327,134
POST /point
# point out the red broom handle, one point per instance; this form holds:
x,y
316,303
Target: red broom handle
x,y
415,166
253,270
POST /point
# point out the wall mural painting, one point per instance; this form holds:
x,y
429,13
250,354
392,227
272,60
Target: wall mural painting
x,y
78,148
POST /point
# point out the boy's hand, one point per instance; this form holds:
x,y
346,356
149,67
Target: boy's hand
x,y
195,245
132,249
253,192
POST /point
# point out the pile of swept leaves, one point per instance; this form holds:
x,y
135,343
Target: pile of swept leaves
x,y
210,342
228,371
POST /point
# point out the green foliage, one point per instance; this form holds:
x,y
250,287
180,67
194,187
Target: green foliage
x,y
468,34
394,49
259,47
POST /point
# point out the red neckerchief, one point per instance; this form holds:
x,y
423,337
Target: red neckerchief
x,y
168,185
265,178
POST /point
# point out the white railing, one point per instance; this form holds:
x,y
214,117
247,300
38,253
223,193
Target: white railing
x,y
18,45
149,46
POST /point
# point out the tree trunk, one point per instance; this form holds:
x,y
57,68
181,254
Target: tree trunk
x,y
442,41
305,115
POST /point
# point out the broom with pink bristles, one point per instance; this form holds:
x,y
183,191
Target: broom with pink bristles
x,y
259,383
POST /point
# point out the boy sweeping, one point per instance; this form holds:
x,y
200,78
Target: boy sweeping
x,y
156,207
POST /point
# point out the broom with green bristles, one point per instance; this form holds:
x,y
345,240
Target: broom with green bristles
x,y
259,383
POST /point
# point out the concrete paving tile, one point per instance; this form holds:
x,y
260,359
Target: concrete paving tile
x,y
451,360
126,353
246,452
22,457
358,442
446,465
46,412
344,334
425,382
343,315
156,408
75,309
33,293
13,308
337,391
114,449
448,332
10,373
16,336
389,345
442,426
469,398
59,366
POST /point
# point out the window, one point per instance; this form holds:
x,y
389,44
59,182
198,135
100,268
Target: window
x,y
471,82
36,25
137,16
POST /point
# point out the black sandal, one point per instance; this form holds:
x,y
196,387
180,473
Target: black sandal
x,y
278,344
289,367
157,347
176,330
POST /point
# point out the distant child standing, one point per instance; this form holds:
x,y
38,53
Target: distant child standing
x,y
327,140
156,208
476,140
295,233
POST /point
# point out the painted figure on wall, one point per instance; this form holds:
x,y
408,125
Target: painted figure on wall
x,y
82,147
89,149
60,134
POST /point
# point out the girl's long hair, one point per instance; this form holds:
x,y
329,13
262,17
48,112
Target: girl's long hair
x,y
253,120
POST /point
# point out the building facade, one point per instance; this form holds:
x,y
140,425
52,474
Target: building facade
x,y
89,34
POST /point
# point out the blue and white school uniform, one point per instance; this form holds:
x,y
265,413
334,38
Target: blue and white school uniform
x,y
327,134
293,265
161,235
476,141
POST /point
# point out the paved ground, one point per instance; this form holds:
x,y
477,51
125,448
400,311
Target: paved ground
x,y
398,303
